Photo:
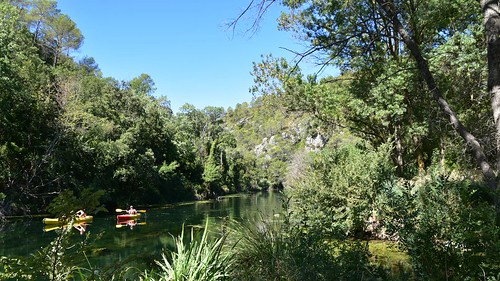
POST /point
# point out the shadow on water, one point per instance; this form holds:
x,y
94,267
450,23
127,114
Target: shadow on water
x,y
117,244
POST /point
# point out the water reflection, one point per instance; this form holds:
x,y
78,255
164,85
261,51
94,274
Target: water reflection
x,y
117,242
129,223
80,227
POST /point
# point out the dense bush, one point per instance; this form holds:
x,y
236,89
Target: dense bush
x,y
336,195
447,227
278,249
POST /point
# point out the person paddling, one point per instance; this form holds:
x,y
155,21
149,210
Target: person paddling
x,y
131,210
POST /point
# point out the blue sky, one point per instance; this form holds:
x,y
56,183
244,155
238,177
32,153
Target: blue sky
x,y
183,45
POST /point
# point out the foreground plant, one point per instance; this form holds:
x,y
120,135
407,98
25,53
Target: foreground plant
x,y
57,261
201,259
277,249
449,228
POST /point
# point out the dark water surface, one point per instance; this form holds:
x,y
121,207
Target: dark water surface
x,y
115,244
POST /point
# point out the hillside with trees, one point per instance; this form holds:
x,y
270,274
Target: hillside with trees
x,y
66,127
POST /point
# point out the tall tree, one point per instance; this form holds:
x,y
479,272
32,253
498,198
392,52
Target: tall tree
x,y
143,85
27,113
54,32
62,35
352,33
491,14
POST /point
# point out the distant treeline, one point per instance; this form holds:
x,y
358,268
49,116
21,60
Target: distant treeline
x,y
64,126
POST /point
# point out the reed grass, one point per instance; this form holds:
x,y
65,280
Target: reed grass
x,y
200,259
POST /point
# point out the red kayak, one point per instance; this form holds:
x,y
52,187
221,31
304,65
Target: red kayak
x,y
124,217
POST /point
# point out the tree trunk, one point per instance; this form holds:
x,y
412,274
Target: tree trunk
x,y
492,28
398,146
442,152
491,13
423,67
417,142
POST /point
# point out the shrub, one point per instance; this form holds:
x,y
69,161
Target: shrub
x,y
336,195
447,227
279,250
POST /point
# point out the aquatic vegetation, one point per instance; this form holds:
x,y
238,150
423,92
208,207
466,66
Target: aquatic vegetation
x,y
201,259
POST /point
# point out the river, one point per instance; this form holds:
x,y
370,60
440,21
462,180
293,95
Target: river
x,y
112,244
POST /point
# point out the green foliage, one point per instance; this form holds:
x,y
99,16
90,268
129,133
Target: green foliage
x,y
337,193
351,35
55,33
380,95
64,34
55,262
124,135
66,203
463,55
264,250
267,136
448,228
212,172
14,268
123,143
143,85
167,170
207,151
27,129
201,259
278,249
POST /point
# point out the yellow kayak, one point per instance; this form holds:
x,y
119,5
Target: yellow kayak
x,y
65,221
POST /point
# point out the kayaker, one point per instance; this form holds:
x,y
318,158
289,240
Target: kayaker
x,y
131,210
81,214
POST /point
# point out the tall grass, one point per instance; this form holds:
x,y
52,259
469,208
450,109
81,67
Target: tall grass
x,y
276,250
260,252
201,259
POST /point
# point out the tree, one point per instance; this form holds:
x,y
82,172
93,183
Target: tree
x,y
212,173
62,35
54,32
492,29
351,34
374,107
143,85
27,129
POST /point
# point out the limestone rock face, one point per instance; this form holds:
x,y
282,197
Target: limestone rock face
x,y
315,143
268,137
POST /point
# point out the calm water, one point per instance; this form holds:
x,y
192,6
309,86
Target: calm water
x,y
147,239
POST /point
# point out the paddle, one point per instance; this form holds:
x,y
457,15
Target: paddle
x,y
50,228
121,210
122,225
